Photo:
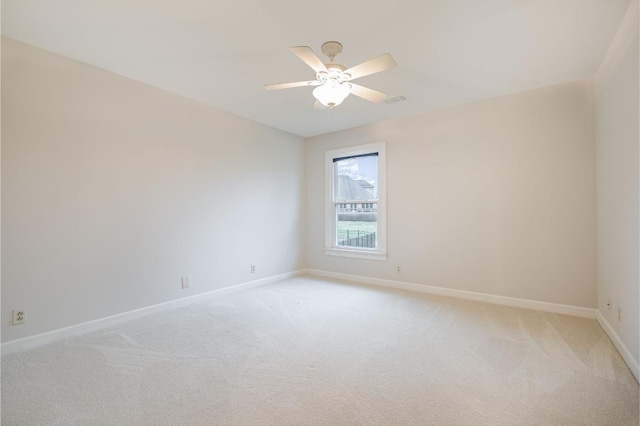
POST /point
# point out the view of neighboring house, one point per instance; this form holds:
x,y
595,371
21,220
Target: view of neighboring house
x,y
355,190
366,185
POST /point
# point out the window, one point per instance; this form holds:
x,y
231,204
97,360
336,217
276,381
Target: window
x,y
355,202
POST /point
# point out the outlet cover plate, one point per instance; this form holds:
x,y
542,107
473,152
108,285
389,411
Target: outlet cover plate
x,y
18,316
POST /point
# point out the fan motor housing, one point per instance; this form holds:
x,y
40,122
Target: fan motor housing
x,y
336,67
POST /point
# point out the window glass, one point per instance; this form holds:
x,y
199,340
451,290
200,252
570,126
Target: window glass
x,y
357,178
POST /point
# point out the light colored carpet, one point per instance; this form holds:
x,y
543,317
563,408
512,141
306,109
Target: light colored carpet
x,y
308,351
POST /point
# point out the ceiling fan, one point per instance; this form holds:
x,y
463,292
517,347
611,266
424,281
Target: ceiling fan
x,y
333,80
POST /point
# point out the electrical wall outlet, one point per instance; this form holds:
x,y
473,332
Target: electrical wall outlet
x,y
184,282
253,269
398,269
18,316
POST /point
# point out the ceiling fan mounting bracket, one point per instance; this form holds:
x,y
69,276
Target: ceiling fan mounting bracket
x,y
331,49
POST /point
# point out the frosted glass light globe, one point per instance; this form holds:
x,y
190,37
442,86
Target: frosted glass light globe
x,y
332,93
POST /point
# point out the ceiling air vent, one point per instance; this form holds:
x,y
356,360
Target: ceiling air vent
x,y
395,99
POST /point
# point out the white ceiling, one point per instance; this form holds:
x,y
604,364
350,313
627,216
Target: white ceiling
x,y
222,52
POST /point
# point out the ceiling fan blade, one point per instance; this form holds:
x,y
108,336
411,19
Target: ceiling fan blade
x,y
368,94
309,57
290,85
372,66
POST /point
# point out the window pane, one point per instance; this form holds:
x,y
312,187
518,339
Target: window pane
x,y
357,178
357,225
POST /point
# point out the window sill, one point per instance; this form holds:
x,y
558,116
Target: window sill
x,y
358,254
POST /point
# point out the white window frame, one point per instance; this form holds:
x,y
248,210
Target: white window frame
x,y
331,245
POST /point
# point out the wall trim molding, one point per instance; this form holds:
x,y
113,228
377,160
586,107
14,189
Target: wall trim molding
x,y
30,342
632,363
462,294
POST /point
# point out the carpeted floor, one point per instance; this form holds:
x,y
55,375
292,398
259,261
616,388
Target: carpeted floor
x,y
308,351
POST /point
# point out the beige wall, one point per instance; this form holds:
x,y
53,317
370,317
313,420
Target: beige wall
x,y
618,162
495,197
112,190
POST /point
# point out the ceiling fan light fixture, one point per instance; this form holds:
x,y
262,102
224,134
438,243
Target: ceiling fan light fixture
x,y
332,94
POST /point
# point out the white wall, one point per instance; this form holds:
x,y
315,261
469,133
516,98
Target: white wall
x,y
496,197
112,190
618,162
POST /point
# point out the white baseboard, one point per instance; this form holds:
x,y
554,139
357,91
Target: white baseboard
x,y
617,342
41,339
463,294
